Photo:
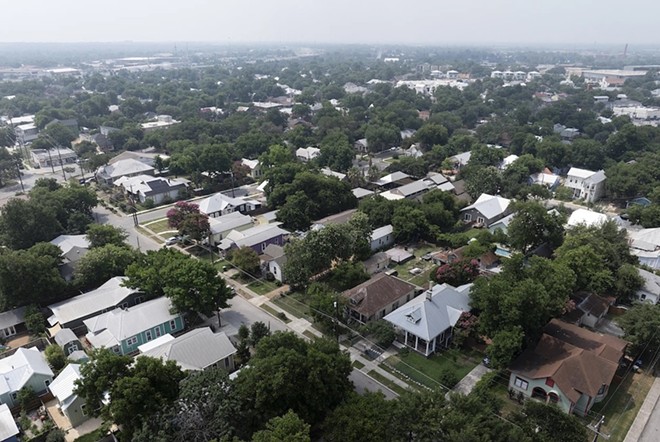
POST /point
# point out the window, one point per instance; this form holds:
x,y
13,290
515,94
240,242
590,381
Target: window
x,y
173,324
602,390
74,347
148,335
549,382
226,362
116,349
14,395
47,383
158,332
521,383
139,299
123,305
83,409
263,246
467,217
131,341
480,220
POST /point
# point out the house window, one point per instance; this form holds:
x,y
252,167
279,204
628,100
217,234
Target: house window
x,y
139,299
74,347
131,341
47,383
158,332
83,409
602,389
480,220
173,324
263,246
468,217
226,362
549,382
148,335
521,383
14,395
116,349
123,305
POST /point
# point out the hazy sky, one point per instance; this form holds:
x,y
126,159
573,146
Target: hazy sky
x,y
335,21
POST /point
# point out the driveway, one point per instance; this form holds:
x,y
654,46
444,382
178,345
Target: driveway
x,y
610,328
241,311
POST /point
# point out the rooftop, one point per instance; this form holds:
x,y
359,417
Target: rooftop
x,y
373,295
489,205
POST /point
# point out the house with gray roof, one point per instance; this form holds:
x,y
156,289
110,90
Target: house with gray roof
x,y
650,290
124,329
414,190
382,238
486,210
221,204
68,340
157,189
426,322
129,167
8,428
112,294
257,238
70,404
224,224
196,350
273,260
27,367
12,322
73,247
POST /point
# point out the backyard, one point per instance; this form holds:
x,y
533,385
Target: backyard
x,y
425,266
428,371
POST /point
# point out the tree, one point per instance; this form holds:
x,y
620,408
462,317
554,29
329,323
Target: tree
x,y
532,225
368,417
457,273
432,134
483,180
100,235
336,151
27,398
246,259
195,226
381,331
34,320
382,136
547,423
506,345
98,376
102,263
641,324
276,156
55,435
25,223
346,275
55,357
192,285
297,212
258,331
287,373
288,427
150,386
177,214
409,224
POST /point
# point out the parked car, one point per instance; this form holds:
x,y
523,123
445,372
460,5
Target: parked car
x,y
172,240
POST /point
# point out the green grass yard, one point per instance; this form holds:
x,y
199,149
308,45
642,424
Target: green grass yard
x,y
262,287
290,304
427,371
159,226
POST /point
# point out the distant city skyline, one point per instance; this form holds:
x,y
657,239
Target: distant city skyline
x,y
478,22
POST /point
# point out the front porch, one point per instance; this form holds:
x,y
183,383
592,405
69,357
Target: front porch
x,y
423,346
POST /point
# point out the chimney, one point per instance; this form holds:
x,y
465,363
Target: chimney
x,y
429,294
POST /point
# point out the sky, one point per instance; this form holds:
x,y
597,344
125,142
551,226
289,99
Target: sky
x,y
417,22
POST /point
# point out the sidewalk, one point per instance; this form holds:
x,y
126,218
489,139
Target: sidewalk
x,y
642,418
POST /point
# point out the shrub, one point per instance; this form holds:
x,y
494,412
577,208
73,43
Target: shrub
x,y
34,320
26,397
149,203
448,378
55,357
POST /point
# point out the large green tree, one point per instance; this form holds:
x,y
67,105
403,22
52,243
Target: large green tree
x,y
24,223
532,225
102,263
288,427
100,235
642,324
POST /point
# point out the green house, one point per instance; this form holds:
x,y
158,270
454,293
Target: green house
x,y
124,329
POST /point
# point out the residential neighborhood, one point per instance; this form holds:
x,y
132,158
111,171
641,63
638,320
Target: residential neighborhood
x,y
310,242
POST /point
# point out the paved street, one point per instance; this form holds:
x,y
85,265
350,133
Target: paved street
x,y
364,383
241,311
135,239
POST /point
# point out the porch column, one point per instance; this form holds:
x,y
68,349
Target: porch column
x,y
427,348
405,339
416,341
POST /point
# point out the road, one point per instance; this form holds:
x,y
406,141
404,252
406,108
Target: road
x,y
240,312
135,239
364,383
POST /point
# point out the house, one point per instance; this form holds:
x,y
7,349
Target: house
x,y
257,238
196,350
73,247
393,180
399,255
221,204
650,290
414,190
502,224
645,245
306,154
26,133
413,151
549,180
71,124
570,367
337,218
160,122
486,210
327,172
361,193
8,428
157,189
273,260
566,133
377,263
129,167
376,297
507,161
68,340
426,322
587,218
382,237
586,184
12,322
124,329
103,142
590,308
224,224
112,294
254,166
361,145
460,160
69,403
58,156
25,368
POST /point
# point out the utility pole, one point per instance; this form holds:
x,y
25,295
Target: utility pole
x,y
18,169
59,154
597,429
50,160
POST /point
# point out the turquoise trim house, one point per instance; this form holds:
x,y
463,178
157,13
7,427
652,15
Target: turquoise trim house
x,y
123,330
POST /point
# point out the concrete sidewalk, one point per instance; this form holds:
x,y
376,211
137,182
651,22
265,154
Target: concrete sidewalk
x,y
642,419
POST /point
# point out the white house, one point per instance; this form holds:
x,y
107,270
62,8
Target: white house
x,y
196,350
8,428
224,224
70,404
408,191
382,238
306,154
645,245
486,210
220,204
128,167
25,368
586,184
273,260
650,291
426,322
161,122
157,189
254,166
53,157
587,218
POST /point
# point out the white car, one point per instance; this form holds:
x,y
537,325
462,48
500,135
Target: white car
x,y
415,271
172,240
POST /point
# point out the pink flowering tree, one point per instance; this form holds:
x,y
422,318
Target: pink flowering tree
x,y
457,273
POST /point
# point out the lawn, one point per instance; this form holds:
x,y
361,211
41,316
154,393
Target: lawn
x,y
290,304
262,287
386,382
404,269
622,406
92,437
427,371
159,226
279,315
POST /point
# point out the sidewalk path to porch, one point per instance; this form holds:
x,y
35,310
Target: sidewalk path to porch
x,y
466,384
